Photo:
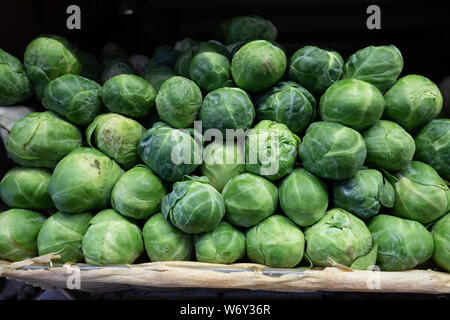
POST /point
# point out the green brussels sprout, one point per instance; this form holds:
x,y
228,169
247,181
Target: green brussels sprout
x,y
115,67
117,136
224,244
258,65
271,150
364,194
193,206
163,242
420,194
178,102
249,199
164,56
63,233
433,146
339,237
41,139
14,84
352,103
441,237
83,181
413,101
26,188
210,70
402,244
129,95
138,193
288,103
156,75
247,29
332,151
388,145
111,239
303,197
91,66
73,97
227,108
19,229
276,242
379,66
222,162
316,69
185,44
48,57
170,153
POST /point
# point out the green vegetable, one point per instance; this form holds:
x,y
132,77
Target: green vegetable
x,y
247,29
19,229
41,139
249,199
193,206
163,242
138,193
156,75
15,86
26,188
63,233
210,70
83,181
115,67
276,242
441,237
224,244
303,197
402,244
111,239
91,66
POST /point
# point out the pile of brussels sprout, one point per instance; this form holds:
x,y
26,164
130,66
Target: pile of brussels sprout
x,y
361,155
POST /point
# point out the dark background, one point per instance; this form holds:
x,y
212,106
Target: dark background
x,y
420,29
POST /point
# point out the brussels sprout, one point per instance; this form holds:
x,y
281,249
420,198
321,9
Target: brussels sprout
x,y
258,65
316,69
163,242
26,188
364,194
115,67
234,47
433,146
271,150
14,84
221,162
73,97
224,244
185,44
48,57
193,206
332,151
116,136
420,194
169,152
156,75
288,103
276,242
210,70
388,145
441,237
111,239
63,233
339,237
83,181
352,103
247,29
41,139
138,193
402,244
129,95
227,108
303,197
249,199
178,102
164,56
19,229
412,101
379,66
91,66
